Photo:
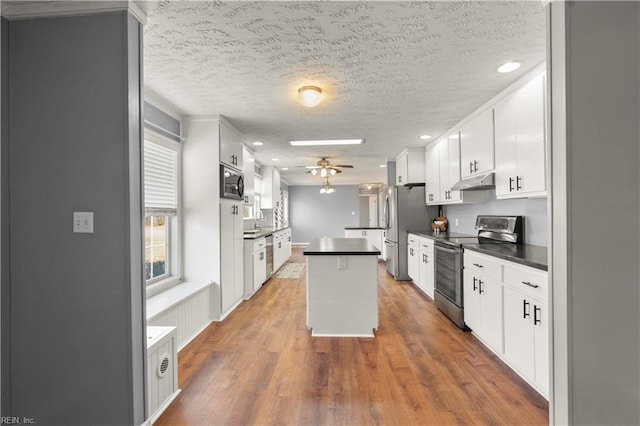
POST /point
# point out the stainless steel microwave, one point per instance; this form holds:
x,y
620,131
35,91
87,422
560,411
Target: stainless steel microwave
x,y
231,183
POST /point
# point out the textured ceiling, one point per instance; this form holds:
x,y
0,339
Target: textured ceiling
x,y
390,71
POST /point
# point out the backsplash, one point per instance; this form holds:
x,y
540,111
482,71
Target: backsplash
x,y
534,211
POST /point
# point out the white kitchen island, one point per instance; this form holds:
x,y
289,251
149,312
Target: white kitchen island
x,y
342,287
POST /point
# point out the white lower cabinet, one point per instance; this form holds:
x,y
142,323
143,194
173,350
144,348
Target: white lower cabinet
x,y
281,248
413,257
483,308
526,324
505,304
374,236
255,265
426,281
231,255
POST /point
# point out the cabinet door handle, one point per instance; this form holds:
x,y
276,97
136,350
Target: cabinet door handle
x,y
261,256
475,287
536,320
475,166
470,166
478,265
525,311
480,290
399,178
510,184
530,285
518,186
280,244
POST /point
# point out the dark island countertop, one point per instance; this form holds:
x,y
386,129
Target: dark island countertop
x,y
363,227
265,232
524,254
340,246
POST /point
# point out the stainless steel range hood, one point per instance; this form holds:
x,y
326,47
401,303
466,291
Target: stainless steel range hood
x,y
476,183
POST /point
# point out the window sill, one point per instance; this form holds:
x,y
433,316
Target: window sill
x,y
166,299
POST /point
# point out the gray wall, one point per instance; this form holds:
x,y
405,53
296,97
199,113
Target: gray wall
x,y
534,211
595,276
5,341
314,215
74,145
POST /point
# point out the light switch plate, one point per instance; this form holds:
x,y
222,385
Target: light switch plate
x,y
83,222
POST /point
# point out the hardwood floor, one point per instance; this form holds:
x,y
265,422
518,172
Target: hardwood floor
x,y
261,366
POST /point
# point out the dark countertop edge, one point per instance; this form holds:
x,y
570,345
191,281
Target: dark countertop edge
x,y
514,259
263,234
363,227
341,247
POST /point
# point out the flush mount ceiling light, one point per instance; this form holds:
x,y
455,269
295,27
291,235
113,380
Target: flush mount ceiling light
x,y
258,143
425,137
508,67
309,96
323,142
383,165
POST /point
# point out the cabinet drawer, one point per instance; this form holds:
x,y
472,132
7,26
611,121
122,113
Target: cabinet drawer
x,y
259,244
412,240
530,281
481,264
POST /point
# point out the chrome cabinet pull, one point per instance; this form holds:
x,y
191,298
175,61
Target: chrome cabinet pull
x,y
530,285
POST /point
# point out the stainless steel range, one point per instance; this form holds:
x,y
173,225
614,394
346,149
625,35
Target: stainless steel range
x,y
449,259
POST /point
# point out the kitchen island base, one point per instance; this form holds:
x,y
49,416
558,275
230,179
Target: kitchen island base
x,y
342,287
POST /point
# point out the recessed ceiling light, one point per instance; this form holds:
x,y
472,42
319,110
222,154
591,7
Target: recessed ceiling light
x,y
258,143
383,165
275,159
327,142
425,137
285,168
508,67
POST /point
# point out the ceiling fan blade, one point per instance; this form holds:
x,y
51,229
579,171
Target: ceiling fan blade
x,y
344,166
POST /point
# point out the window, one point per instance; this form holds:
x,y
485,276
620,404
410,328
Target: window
x,y
161,194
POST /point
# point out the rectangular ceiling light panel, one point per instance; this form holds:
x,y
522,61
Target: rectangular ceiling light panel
x,y
327,142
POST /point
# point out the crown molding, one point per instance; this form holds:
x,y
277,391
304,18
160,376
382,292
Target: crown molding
x,y
19,10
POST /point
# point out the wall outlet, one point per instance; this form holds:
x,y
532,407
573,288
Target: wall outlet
x,y
342,262
83,222
456,221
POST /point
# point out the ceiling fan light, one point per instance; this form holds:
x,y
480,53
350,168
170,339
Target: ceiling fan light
x,y
314,172
323,172
309,96
323,190
333,172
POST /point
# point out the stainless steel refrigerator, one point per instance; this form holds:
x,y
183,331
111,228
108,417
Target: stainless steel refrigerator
x,y
404,210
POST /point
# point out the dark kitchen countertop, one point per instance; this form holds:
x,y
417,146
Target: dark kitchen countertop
x,y
341,246
363,227
524,254
263,233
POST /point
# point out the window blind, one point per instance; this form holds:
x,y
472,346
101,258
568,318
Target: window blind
x,y
160,180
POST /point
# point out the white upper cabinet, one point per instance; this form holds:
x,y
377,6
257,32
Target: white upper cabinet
x,y
520,142
230,146
270,188
477,145
432,174
410,166
248,171
445,158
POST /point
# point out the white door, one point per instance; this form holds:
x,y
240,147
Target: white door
x,y
531,146
541,337
472,316
506,144
259,268
227,253
432,174
453,165
491,312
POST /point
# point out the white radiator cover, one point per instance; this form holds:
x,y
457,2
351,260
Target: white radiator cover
x,y
162,370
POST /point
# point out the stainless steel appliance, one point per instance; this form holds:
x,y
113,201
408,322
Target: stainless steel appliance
x,y
269,239
449,297
404,210
231,183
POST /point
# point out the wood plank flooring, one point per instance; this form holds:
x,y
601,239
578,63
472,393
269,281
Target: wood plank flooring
x,y
261,366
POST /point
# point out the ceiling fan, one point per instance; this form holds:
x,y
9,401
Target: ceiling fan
x,y
325,168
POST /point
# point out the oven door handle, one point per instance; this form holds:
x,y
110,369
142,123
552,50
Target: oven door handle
x,y
448,250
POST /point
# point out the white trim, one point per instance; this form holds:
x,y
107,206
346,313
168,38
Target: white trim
x,y
15,10
162,302
153,98
163,407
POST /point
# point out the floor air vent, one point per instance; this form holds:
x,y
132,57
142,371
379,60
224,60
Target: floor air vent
x,y
164,365
162,374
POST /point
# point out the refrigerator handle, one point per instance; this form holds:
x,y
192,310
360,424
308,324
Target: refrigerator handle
x,y
386,212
